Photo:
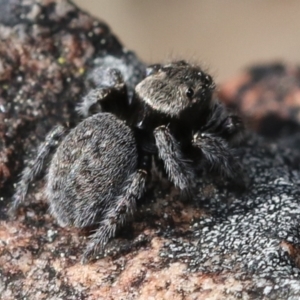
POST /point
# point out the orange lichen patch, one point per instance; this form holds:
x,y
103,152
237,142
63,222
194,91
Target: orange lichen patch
x,y
172,282
229,89
24,262
293,99
91,274
14,235
249,102
134,273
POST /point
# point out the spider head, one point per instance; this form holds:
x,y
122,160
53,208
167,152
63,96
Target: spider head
x,y
176,88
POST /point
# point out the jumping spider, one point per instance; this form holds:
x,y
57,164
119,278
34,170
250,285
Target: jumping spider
x,y
99,169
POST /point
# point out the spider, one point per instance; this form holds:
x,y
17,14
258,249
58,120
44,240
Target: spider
x,y
100,167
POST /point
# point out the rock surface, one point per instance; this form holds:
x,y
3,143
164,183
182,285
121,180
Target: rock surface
x,y
48,50
268,98
226,244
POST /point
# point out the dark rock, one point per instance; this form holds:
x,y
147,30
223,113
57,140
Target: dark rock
x,y
268,98
227,244
47,50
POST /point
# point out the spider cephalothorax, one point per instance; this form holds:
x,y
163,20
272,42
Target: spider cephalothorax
x,y
100,167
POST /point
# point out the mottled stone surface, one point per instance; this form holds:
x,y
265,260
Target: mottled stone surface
x,y
47,50
268,98
226,244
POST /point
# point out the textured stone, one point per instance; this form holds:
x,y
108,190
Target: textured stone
x,y
225,244
47,50
268,98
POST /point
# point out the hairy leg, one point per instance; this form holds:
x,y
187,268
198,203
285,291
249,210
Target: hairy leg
x,y
226,125
178,169
217,153
117,214
110,96
35,166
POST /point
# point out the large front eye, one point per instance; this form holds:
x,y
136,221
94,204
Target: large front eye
x,y
189,93
207,80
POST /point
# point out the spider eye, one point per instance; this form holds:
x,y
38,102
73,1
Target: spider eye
x,y
189,93
207,80
152,69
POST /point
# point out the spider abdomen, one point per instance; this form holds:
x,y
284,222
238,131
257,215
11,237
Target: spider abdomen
x,y
90,169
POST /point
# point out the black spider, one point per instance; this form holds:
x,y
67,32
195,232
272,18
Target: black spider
x,y
99,169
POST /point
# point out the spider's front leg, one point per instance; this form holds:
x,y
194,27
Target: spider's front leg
x,y
228,126
220,156
216,152
178,168
110,96
214,140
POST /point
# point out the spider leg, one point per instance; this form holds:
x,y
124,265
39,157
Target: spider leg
x,y
35,166
178,169
217,153
226,125
110,96
117,214
233,129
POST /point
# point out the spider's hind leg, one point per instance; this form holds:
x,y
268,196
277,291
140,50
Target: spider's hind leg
x,y
117,214
35,167
110,96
